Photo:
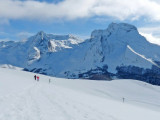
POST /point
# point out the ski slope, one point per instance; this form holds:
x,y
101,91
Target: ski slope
x,y
23,98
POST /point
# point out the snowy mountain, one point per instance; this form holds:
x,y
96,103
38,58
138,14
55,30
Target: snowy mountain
x,y
116,52
22,54
23,98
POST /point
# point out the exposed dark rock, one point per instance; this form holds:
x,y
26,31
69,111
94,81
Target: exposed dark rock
x,y
97,74
147,75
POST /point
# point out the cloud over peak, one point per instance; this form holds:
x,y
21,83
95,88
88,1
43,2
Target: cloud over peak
x,y
74,9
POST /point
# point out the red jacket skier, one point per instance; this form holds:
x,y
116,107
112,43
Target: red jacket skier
x,y
37,78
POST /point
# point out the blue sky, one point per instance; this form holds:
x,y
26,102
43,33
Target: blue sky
x,y
20,19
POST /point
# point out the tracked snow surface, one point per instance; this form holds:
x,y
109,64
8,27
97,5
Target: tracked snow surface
x,y
23,98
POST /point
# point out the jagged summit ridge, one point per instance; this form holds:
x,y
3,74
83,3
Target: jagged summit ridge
x,y
41,33
121,26
114,28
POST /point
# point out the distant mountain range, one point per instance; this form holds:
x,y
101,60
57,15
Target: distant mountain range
x,y
116,52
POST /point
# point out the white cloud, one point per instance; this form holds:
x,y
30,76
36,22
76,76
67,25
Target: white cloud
x,y
22,36
3,33
69,9
151,38
4,39
73,9
151,30
152,34
4,21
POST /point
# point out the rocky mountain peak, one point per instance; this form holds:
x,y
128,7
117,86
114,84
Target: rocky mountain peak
x,y
114,28
41,36
40,33
121,26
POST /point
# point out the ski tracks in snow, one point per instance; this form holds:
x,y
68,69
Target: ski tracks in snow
x,y
75,105
48,102
32,104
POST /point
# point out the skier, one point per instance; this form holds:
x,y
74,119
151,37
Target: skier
x,y
123,99
35,77
49,80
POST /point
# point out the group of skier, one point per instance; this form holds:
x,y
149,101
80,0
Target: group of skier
x,y
36,78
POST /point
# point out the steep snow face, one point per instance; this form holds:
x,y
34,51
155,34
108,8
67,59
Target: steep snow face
x,y
34,54
26,53
112,45
52,43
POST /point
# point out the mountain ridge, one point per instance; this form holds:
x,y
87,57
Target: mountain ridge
x,y
118,51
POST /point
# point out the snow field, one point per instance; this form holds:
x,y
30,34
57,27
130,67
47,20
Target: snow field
x,y
23,98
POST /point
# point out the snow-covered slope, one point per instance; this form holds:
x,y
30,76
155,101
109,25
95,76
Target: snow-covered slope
x,y
10,67
118,51
23,98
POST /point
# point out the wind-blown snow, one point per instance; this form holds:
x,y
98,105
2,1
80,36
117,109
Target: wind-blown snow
x,y
149,60
23,98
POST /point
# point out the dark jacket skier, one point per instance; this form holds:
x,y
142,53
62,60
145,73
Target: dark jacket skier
x,y
35,77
